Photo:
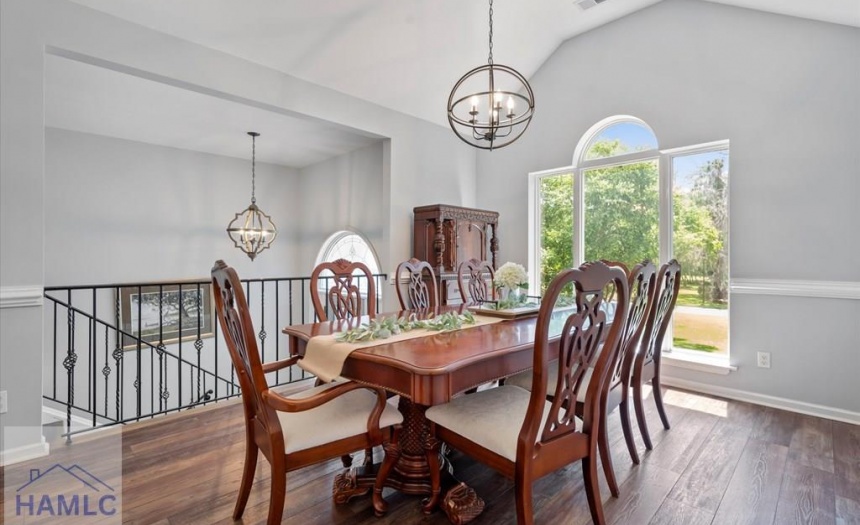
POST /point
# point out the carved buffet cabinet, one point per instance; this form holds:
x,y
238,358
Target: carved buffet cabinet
x,y
446,235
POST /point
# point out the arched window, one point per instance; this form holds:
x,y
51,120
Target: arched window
x,y
624,199
351,246
354,247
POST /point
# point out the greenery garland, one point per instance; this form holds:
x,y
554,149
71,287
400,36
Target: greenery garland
x,y
385,327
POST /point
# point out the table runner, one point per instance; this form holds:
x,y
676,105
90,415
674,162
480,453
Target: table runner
x,y
324,355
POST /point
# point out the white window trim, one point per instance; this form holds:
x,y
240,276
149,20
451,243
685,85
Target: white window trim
x,y
333,239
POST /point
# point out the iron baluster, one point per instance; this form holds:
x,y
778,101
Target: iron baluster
x,y
198,344
179,364
69,365
139,349
277,339
161,348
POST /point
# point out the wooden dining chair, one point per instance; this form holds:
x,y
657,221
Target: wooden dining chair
x,y
646,362
640,282
522,434
343,299
343,296
419,291
473,283
292,432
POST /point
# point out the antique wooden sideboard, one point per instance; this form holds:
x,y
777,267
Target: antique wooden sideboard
x,y
446,236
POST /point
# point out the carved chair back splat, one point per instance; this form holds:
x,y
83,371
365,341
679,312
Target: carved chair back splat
x,y
475,280
419,292
343,297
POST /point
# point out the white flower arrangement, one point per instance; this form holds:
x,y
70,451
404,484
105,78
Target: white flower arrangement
x,y
511,276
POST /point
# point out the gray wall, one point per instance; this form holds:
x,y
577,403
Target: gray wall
x,y
423,163
119,211
784,91
343,193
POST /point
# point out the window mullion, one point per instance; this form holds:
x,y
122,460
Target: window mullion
x,y
666,212
578,218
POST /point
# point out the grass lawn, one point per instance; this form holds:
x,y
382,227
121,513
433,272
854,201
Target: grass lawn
x,y
707,332
688,295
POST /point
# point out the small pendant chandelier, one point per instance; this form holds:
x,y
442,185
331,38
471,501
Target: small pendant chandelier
x,y
483,106
251,230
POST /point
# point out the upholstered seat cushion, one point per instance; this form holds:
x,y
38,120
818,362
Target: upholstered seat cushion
x,y
342,417
524,379
490,418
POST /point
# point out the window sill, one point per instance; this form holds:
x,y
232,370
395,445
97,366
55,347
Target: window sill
x,y
680,358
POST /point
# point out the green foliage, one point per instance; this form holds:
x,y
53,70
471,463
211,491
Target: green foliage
x,y
622,221
556,227
622,206
385,327
680,342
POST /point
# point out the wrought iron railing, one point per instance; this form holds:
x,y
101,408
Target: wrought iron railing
x,y
120,353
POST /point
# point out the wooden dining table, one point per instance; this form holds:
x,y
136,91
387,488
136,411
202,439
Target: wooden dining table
x,y
428,371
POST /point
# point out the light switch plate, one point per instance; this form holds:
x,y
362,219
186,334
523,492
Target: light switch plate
x,y
4,402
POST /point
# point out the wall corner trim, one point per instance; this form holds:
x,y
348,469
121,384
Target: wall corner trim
x,y
25,453
21,296
796,288
791,405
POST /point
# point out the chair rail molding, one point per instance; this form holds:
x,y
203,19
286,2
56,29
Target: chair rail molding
x,y
21,296
797,288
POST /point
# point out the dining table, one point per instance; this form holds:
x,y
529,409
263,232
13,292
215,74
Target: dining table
x,y
424,372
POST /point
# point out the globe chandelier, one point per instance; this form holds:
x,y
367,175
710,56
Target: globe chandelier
x,y
491,106
251,230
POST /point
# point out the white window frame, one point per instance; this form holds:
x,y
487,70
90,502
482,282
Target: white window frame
x,y
664,158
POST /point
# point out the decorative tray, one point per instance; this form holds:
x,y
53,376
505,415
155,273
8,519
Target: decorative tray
x,y
489,309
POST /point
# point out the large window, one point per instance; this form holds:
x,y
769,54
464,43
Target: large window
x,y
624,199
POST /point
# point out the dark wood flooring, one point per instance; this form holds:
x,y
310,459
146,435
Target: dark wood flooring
x,y
722,462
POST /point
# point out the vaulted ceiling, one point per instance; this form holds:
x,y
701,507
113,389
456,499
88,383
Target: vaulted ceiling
x,y
401,54
405,55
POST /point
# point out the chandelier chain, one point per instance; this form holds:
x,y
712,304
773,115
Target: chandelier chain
x,y
253,170
490,57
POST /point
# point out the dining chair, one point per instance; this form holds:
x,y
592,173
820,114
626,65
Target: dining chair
x,y
640,283
419,291
295,431
343,297
472,280
646,362
524,435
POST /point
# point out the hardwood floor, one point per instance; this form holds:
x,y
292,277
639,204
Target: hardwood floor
x,y
722,462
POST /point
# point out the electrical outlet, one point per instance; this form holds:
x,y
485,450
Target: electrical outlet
x,y
4,402
764,359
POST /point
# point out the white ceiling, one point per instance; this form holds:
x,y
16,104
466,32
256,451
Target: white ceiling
x,y
92,99
401,54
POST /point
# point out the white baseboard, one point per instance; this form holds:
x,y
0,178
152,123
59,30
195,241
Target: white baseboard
x,y
59,415
801,407
25,453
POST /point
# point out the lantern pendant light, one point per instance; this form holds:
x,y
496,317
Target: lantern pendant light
x,y
251,230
